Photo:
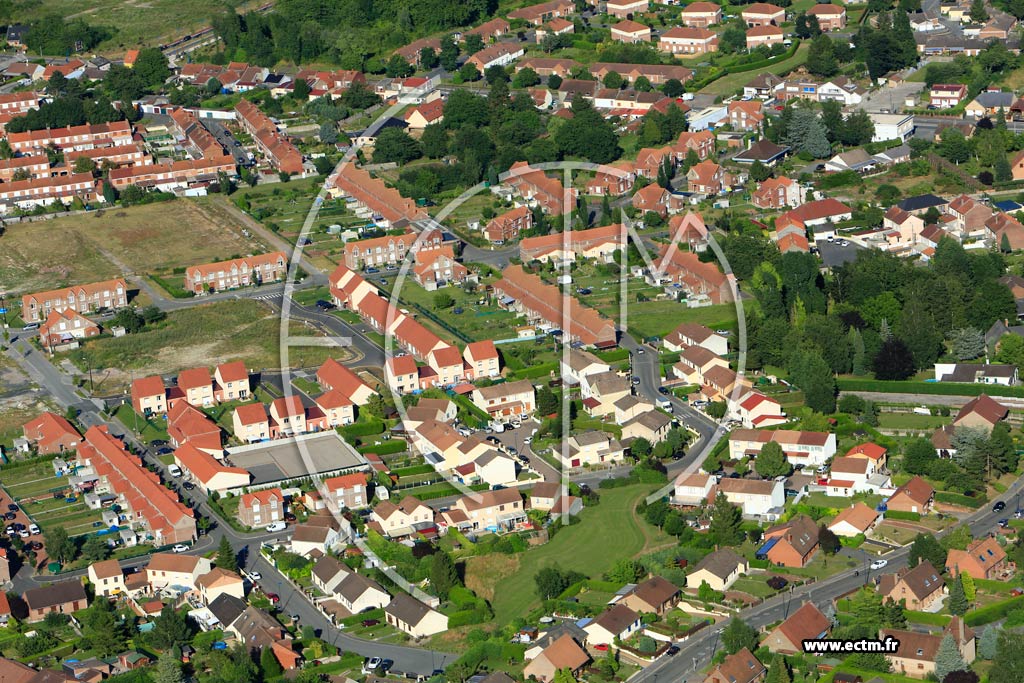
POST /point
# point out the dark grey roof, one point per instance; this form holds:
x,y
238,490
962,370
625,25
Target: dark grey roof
x,y
327,567
921,201
354,586
720,563
762,150
226,608
992,100
559,630
55,594
407,609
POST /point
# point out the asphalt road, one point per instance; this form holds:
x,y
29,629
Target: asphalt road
x,y
696,653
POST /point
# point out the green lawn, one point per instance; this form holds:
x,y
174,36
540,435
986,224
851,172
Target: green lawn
x,y
149,429
475,321
582,547
658,318
755,586
730,83
911,421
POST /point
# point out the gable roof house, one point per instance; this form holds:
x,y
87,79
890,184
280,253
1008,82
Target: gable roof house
x,y
982,411
562,653
656,595
411,616
742,667
807,623
919,588
914,496
854,520
982,559
615,623
792,544
719,569
916,654
63,597
51,434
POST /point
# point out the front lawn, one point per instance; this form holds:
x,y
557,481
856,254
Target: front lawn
x,y
149,429
582,547
658,318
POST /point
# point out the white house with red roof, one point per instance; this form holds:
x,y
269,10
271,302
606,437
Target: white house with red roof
x,y
51,433
848,476
870,451
402,374
347,492
287,417
428,113
231,382
801,448
446,361
332,375
251,423
337,408
209,473
149,395
756,411
196,384
62,330
482,360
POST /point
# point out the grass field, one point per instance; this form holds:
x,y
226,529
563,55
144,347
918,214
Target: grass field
x,y
910,421
92,247
730,83
205,335
136,22
658,318
507,580
149,430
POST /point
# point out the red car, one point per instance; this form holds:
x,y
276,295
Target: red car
x,y
274,598
1017,591
370,622
603,647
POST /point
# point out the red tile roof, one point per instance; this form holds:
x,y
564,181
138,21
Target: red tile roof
x,y
233,372
194,378
48,428
202,465
251,413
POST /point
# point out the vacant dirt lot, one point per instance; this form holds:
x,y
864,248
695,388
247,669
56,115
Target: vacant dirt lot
x,y
105,244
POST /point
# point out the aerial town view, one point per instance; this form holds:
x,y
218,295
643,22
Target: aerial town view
x,y
483,341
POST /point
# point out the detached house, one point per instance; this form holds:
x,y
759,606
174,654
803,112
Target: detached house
x,y
332,375
778,193
686,40
706,178
411,616
947,96
51,434
917,651
983,559
653,596
810,449
830,17
763,14
251,423
62,597
506,400
807,623
259,508
701,14
718,569
562,653
231,382
742,667
792,544
766,35
854,520
347,492
919,588
197,387
615,624
627,31
914,496
402,519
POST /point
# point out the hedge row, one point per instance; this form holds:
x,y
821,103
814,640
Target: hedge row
x,y
960,499
385,448
937,388
905,516
993,612
414,469
369,428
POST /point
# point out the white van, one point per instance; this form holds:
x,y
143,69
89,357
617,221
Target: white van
x,y
665,404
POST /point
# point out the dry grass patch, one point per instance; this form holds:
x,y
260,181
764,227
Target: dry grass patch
x,y
484,573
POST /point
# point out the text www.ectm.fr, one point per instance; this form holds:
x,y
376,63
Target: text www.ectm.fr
x,y
887,645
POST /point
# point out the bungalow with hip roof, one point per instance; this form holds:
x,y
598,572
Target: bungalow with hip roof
x,y
650,424
562,653
319,533
914,496
63,597
792,544
719,569
624,8
411,616
592,448
764,35
742,667
982,559
259,508
615,624
51,434
807,623
855,520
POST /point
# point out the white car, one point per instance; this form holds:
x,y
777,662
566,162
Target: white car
x,y
372,663
180,548
255,576
174,471
34,529
275,527
879,564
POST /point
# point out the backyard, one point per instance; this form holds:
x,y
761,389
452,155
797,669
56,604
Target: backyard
x,y
581,547
33,486
103,244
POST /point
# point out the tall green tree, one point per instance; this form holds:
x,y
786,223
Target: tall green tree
x,y
58,545
168,670
737,635
726,522
102,629
948,658
821,57
226,558
443,574
957,602
1008,663
771,461
925,547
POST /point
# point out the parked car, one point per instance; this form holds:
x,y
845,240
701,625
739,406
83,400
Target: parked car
x,y
12,507
180,548
158,442
324,305
371,663
174,471
10,516
999,506
672,650
274,527
370,622
274,598
34,529
23,533
189,485
255,576
777,583
164,451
